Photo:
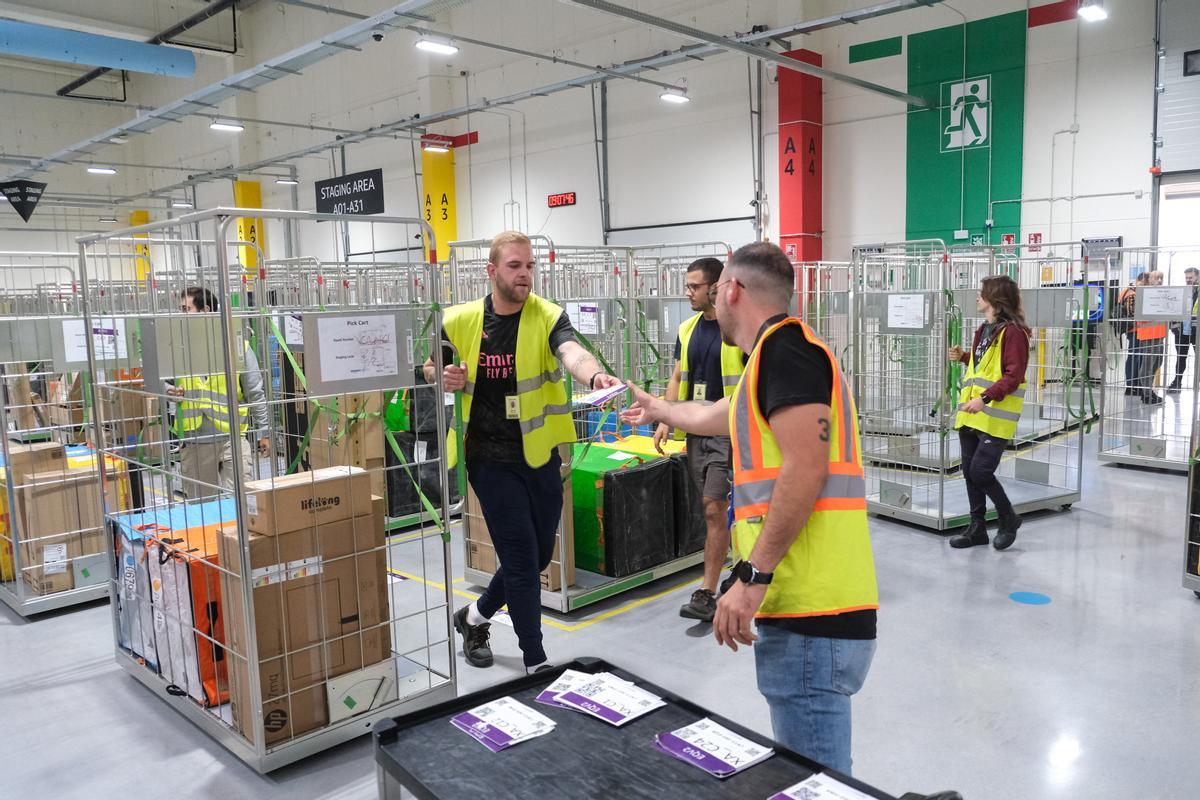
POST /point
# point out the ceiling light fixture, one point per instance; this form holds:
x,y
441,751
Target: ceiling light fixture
x,y
118,139
102,170
287,182
181,204
435,148
1092,10
229,126
678,96
108,219
430,44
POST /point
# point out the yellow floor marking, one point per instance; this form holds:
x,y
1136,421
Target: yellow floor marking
x,y
553,623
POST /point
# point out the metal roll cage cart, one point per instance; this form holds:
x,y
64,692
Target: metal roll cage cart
x,y
51,549
1131,431
626,304
822,300
909,302
274,613
1191,535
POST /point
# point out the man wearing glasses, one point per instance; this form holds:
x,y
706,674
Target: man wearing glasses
x,y
706,370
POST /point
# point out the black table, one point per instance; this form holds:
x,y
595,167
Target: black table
x,y
422,755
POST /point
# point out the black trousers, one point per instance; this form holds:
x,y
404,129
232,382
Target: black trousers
x,y
981,454
1181,350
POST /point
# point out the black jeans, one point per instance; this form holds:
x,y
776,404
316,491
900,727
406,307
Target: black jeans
x,y
981,454
522,507
1181,350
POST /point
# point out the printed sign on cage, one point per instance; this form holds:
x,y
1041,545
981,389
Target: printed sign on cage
x,y
966,114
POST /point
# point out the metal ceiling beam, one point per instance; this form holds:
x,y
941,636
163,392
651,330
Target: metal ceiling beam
x,y
247,80
760,53
658,61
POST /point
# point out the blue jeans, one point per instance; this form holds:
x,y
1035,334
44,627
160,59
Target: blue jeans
x,y
808,682
522,507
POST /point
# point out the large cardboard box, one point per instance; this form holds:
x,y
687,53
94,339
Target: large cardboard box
x,y
37,457
349,429
320,611
292,502
481,554
49,564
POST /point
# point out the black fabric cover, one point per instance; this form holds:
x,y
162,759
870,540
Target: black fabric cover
x,y
690,528
639,518
402,494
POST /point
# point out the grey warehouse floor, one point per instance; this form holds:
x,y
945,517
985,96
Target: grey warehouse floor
x,y
1095,695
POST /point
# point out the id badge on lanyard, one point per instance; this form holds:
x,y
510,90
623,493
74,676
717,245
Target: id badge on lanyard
x,y
699,391
512,406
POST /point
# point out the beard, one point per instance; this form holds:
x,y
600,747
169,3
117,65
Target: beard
x,y
726,331
512,293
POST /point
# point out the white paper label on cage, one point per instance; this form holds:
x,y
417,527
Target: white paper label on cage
x,y
420,450
108,337
619,456
585,317
54,559
1165,301
252,504
906,311
358,347
408,344
293,329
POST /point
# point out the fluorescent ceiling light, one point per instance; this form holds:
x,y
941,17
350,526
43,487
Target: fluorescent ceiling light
x,y
442,47
108,219
119,139
1092,10
674,96
287,182
102,170
180,204
227,125
436,148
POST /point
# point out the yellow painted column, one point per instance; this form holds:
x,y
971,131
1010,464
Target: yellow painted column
x,y
141,259
248,194
440,203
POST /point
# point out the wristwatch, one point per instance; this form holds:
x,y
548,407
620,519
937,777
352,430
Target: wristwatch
x,y
985,399
746,572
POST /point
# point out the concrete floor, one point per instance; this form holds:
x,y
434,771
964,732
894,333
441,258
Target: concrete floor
x,y
1096,695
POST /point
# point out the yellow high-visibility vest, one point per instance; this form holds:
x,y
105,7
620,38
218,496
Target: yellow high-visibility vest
x,y
999,417
731,365
545,409
829,569
206,396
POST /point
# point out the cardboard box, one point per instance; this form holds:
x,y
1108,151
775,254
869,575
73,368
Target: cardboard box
x,y
37,457
22,405
292,502
66,416
481,555
350,426
320,611
49,563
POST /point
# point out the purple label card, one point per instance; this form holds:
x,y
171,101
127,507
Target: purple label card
x,y
567,681
590,706
474,724
688,752
477,736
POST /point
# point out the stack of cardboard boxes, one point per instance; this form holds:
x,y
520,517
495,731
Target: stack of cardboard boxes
x,y
481,554
57,517
320,600
349,432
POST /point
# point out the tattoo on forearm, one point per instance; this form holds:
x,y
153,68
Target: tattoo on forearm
x,y
824,434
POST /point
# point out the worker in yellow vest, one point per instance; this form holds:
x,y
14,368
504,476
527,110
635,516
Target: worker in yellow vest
x,y
509,347
202,418
706,369
804,569
1150,345
990,403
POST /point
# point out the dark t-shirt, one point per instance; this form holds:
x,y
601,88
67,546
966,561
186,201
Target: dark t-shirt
x,y
491,436
704,360
793,372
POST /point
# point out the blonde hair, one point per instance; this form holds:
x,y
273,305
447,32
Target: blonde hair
x,y
507,237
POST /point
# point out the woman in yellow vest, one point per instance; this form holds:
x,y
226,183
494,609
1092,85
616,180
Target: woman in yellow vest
x,y
990,403
515,407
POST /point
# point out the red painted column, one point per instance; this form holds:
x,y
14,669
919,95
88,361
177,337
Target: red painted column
x,y
800,160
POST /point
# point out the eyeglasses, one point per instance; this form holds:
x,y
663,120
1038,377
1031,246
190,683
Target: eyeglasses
x,y
692,288
713,291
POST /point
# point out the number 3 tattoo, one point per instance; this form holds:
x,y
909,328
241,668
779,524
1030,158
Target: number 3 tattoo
x,y
824,434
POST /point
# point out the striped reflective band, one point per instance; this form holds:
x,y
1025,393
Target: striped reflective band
x,y
730,380
984,383
999,413
530,425
538,381
845,422
469,389
685,377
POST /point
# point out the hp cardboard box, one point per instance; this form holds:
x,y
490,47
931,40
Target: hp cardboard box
x,y
320,611
307,499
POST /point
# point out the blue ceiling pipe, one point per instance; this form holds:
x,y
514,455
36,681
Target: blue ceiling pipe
x,y
75,47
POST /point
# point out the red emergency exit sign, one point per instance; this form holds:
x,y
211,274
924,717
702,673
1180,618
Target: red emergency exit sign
x,y
562,199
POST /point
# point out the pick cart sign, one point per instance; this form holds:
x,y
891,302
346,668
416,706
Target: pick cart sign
x,y
23,196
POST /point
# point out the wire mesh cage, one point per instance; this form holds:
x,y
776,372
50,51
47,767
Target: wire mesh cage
x,y
911,302
281,428
52,551
822,300
1150,359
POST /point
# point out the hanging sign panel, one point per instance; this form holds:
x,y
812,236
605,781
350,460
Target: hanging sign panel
x,y
23,196
357,193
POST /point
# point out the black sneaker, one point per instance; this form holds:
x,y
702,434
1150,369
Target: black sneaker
x,y
702,606
1175,387
1008,531
1151,399
547,667
475,639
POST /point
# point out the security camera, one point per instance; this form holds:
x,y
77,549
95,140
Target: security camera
x,y
377,36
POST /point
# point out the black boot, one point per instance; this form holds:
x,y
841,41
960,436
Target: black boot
x,y
1176,385
1008,530
975,534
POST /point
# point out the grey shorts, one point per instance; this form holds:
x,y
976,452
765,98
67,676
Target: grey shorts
x,y
708,462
